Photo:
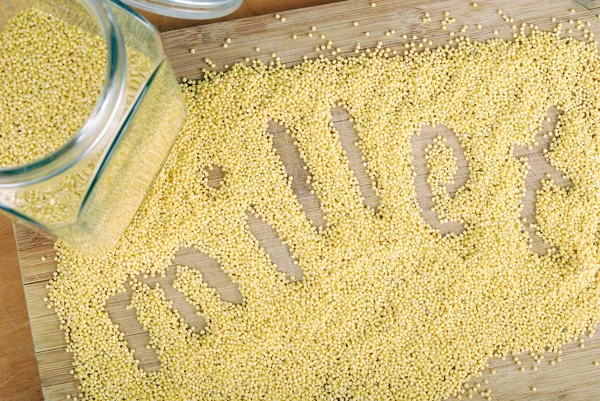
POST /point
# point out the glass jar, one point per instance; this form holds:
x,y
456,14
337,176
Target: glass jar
x,y
87,191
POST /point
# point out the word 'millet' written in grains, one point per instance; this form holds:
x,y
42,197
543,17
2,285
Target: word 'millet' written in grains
x,y
387,308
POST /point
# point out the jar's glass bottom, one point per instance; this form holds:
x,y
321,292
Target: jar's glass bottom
x,y
132,164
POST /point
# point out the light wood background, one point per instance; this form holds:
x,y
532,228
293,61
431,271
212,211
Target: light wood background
x,y
573,379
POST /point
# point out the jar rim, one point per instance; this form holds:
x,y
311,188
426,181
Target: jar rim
x,y
106,111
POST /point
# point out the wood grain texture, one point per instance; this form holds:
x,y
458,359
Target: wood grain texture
x,y
575,378
19,379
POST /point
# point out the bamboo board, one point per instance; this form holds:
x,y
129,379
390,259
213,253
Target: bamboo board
x,y
575,378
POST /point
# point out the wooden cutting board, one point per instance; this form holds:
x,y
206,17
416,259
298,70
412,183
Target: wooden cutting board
x,y
575,378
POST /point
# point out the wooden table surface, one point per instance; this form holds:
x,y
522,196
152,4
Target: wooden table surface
x,y
19,379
